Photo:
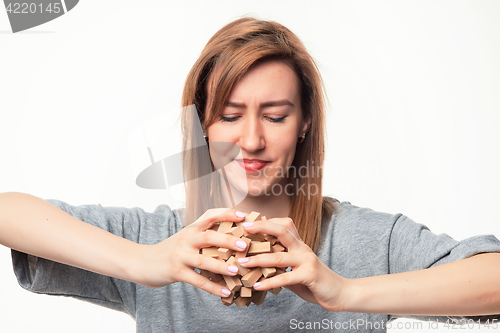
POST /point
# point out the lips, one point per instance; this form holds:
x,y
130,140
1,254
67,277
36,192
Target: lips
x,y
252,165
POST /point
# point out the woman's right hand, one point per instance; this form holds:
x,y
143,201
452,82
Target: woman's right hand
x,y
174,259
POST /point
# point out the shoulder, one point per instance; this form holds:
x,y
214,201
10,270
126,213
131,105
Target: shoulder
x,y
355,241
359,227
361,218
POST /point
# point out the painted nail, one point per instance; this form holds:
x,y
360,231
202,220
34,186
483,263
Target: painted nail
x,y
243,260
241,244
232,269
257,284
247,224
240,214
226,291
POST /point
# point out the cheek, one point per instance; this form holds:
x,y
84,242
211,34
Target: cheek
x,y
285,149
221,134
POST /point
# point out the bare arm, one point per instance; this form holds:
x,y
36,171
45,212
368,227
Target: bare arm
x,y
465,287
34,226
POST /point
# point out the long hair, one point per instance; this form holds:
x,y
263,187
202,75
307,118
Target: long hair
x,y
228,55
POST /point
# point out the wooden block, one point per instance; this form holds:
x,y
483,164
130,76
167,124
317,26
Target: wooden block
x,y
225,226
230,230
243,254
258,297
205,273
241,289
231,261
259,247
278,248
211,252
217,278
225,253
240,301
241,270
255,237
229,299
275,291
251,277
237,231
211,275
268,271
246,292
271,239
233,283
280,270
253,216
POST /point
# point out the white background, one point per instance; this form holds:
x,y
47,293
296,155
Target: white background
x,y
412,126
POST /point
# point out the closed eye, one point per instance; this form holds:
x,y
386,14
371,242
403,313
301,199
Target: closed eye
x,y
224,119
228,119
277,120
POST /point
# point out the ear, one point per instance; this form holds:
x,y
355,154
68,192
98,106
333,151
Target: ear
x,y
306,124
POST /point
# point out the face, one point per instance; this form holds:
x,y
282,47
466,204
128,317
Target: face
x,y
263,117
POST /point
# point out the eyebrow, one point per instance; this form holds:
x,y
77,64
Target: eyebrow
x,y
280,102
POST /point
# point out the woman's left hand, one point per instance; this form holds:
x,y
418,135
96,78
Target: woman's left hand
x,y
309,278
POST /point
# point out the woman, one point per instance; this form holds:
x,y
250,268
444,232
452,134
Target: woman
x,y
255,87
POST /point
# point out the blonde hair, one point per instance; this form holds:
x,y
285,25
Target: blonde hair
x,y
228,55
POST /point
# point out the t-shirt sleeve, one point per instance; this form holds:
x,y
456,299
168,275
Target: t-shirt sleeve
x,y
413,246
40,275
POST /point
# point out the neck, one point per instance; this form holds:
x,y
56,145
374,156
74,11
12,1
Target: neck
x,y
270,206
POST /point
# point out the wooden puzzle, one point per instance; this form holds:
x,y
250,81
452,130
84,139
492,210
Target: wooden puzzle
x,y
241,285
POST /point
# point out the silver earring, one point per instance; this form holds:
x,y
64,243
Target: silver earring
x,y
205,136
302,138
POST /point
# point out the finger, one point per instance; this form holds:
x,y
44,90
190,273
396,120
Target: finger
x,y
218,215
212,238
282,280
212,265
281,232
287,223
279,259
199,281
211,213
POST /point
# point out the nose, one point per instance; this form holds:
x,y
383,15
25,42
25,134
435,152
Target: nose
x,y
252,137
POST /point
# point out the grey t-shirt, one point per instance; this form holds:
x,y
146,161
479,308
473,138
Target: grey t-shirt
x,y
356,242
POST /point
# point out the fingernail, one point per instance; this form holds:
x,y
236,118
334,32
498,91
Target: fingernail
x,y
241,244
257,284
243,260
247,224
226,291
240,214
232,269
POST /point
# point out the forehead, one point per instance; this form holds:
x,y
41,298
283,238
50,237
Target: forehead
x,y
267,81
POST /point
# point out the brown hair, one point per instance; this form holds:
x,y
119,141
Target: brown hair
x,y
228,55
